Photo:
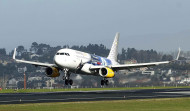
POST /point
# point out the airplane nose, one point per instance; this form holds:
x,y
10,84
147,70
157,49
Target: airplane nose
x,y
57,60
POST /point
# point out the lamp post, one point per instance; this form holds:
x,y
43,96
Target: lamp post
x,y
4,81
25,69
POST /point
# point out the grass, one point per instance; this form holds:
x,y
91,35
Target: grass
x,y
82,89
173,104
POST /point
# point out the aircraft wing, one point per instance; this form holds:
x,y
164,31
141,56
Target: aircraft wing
x,y
33,63
131,66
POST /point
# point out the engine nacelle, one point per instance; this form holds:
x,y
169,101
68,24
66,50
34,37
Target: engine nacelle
x,y
106,72
52,72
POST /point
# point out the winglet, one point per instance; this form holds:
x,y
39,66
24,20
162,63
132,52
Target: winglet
x,y
14,54
178,54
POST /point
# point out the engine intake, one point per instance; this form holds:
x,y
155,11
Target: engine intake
x,y
52,72
106,72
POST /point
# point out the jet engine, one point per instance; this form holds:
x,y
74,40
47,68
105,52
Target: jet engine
x,y
106,72
52,72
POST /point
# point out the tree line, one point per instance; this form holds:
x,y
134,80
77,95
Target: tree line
x,y
46,51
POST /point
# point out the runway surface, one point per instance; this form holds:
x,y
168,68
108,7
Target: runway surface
x,y
20,98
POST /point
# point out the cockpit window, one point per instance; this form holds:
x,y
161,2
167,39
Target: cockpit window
x,y
67,54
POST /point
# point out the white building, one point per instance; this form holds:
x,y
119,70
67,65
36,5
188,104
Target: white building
x,y
148,73
34,78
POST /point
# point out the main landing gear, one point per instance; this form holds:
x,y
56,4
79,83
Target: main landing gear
x,y
104,81
67,82
67,79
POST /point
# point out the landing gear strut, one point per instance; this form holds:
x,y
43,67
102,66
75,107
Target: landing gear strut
x,y
104,81
67,79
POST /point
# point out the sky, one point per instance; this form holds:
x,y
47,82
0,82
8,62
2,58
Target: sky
x,y
162,25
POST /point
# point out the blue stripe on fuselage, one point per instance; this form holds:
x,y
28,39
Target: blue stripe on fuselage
x,y
100,61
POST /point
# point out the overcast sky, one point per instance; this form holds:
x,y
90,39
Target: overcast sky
x,y
163,25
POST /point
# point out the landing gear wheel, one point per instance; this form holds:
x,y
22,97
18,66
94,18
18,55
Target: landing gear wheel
x,y
106,82
102,82
71,82
66,82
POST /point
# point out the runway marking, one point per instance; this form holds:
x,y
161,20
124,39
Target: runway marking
x,y
179,92
85,91
16,101
142,96
169,95
61,99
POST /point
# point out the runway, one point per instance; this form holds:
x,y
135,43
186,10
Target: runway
x,y
20,98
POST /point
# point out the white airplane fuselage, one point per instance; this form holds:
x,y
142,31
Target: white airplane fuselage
x,y
73,59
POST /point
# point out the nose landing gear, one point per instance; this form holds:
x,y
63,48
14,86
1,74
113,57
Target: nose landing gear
x,y
67,79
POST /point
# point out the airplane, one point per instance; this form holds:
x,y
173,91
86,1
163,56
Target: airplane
x,y
77,62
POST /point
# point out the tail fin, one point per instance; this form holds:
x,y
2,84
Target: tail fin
x,y
14,54
178,54
113,52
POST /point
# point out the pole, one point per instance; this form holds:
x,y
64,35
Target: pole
x,y
24,80
3,80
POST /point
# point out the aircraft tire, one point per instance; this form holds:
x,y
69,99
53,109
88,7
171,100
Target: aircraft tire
x,y
102,82
71,82
66,82
106,82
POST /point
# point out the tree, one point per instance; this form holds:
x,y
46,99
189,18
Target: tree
x,y
123,55
44,48
167,58
34,47
39,52
20,50
2,51
131,53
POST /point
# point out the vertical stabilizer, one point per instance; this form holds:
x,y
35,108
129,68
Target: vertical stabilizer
x,y
113,52
14,54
